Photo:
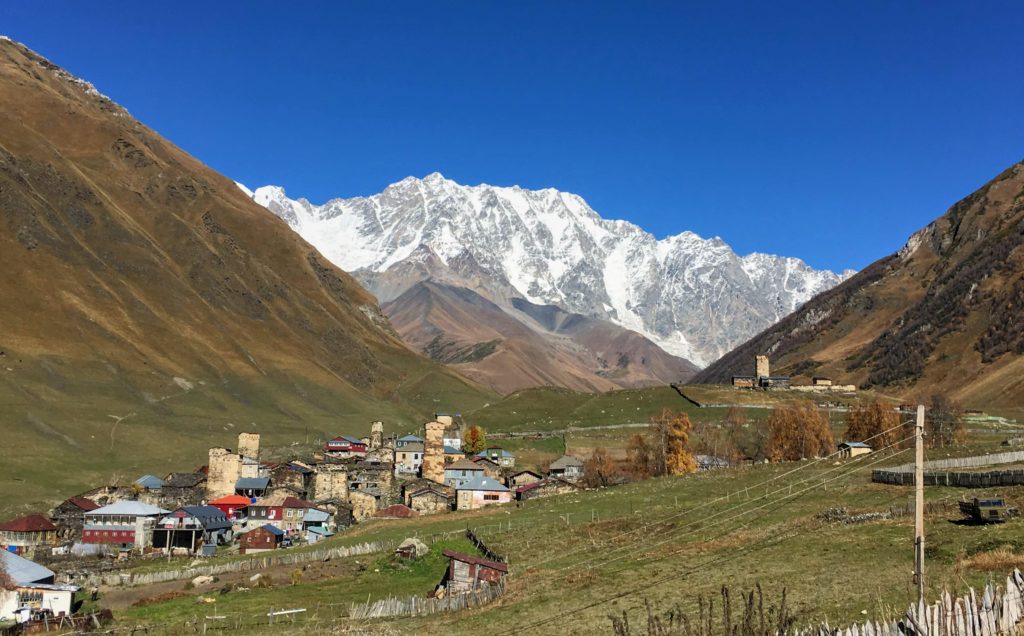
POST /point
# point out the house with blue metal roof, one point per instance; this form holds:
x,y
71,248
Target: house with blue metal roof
x,y
853,449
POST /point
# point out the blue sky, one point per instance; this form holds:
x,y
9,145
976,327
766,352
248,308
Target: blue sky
x,y
828,131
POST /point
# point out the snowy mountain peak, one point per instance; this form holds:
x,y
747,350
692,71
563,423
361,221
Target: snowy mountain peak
x,y
693,296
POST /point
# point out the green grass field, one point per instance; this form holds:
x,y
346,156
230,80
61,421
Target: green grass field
x,y
578,558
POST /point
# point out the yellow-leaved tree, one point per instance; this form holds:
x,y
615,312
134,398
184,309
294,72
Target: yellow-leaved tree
x,y
797,432
671,437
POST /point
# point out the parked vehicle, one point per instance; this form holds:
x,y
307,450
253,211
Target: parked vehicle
x,y
985,510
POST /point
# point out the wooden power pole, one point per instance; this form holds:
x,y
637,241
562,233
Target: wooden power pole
x,y
919,505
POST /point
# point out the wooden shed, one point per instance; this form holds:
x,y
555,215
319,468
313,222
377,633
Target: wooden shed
x,y
466,572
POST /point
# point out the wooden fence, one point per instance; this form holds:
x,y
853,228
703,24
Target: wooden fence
x,y
486,551
423,606
241,565
938,473
996,612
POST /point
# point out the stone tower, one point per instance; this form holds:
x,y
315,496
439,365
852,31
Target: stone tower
x,y
249,445
433,452
376,435
222,472
761,369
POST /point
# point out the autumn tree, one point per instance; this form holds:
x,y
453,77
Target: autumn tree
x,y
943,422
640,456
797,432
671,436
876,423
600,469
475,440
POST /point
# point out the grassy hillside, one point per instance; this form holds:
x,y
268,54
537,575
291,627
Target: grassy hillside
x,y
942,315
578,558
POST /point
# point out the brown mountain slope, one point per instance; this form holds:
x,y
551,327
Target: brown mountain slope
x,y
943,314
532,346
137,283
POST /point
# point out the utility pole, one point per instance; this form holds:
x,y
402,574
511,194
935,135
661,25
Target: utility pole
x,y
919,505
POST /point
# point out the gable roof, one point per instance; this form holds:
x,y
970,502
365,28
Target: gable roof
x,y
252,483
29,523
295,502
272,529
451,450
410,438
429,490
149,482
22,571
499,452
315,515
399,511
526,472
464,464
346,438
128,509
467,558
478,460
566,461
231,500
483,483
411,447
82,503
211,518
184,480
854,445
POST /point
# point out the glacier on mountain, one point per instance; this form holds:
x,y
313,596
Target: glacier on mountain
x,y
694,297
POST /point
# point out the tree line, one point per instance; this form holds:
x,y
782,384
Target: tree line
x,y
790,433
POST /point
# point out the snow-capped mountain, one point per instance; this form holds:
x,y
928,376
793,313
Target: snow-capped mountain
x,y
695,297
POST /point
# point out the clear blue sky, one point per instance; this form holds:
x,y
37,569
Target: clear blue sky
x,y
824,130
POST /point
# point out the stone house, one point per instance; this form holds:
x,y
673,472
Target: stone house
x,y
499,456
265,510
69,517
453,454
523,478
296,477
480,492
330,481
548,487
407,439
294,514
365,503
183,489
430,500
491,469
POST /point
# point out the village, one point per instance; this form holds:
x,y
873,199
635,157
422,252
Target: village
x,y
238,503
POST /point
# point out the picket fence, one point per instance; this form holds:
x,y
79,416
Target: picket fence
x,y
423,606
997,612
941,472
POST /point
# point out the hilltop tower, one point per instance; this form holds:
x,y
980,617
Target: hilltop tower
x,y
761,369
249,445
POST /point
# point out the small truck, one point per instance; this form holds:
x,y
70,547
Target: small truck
x,y
985,510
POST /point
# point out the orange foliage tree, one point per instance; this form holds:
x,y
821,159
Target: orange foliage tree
x,y
799,431
600,470
671,438
875,423
640,456
475,440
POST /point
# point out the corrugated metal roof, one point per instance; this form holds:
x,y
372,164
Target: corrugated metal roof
x,y
128,509
22,571
410,438
854,445
483,483
252,483
565,461
150,482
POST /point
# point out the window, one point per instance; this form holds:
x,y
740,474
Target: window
x,y
491,497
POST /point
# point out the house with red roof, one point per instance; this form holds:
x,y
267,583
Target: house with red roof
x,y
28,533
69,517
345,446
233,505
397,511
